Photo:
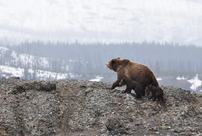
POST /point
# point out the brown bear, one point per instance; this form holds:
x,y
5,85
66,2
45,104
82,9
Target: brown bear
x,y
132,70
130,84
157,92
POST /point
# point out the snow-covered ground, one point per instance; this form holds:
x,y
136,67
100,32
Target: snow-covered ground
x,y
195,83
7,71
97,79
159,79
26,60
12,59
11,70
177,21
181,78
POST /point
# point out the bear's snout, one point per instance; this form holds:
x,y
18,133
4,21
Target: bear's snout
x,y
107,65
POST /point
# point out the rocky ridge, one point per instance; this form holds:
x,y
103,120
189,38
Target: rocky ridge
x,y
84,108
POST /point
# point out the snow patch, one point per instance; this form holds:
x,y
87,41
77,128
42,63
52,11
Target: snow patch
x,y
159,79
195,83
18,72
40,74
181,78
97,79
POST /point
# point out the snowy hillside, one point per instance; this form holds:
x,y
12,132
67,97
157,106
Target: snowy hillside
x,y
34,67
12,58
31,67
6,71
101,20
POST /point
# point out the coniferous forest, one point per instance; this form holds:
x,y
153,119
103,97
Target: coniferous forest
x,y
89,59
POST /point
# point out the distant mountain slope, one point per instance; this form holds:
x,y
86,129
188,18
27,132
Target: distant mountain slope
x,y
88,62
7,71
12,58
31,67
164,60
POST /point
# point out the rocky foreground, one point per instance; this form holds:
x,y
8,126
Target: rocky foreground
x,y
84,108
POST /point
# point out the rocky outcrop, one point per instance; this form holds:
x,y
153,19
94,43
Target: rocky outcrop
x,y
75,108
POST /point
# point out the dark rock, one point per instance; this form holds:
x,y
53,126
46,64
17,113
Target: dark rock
x,y
14,77
113,124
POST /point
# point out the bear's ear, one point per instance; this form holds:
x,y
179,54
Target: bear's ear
x,y
118,58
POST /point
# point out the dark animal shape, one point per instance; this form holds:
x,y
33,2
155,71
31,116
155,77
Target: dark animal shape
x,y
157,92
130,84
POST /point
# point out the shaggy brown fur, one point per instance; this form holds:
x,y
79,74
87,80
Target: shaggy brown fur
x,y
132,70
130,84
157,92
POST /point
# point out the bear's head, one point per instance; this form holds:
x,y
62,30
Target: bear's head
x,y
149,88
122,82
113,64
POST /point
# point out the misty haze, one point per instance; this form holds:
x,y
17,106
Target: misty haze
x,y
100,67
57,40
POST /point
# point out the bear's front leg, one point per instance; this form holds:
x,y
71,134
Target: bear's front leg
x,y
154,99
115,84
138,94
128,90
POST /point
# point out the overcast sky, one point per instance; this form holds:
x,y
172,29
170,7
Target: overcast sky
x,y
177,21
